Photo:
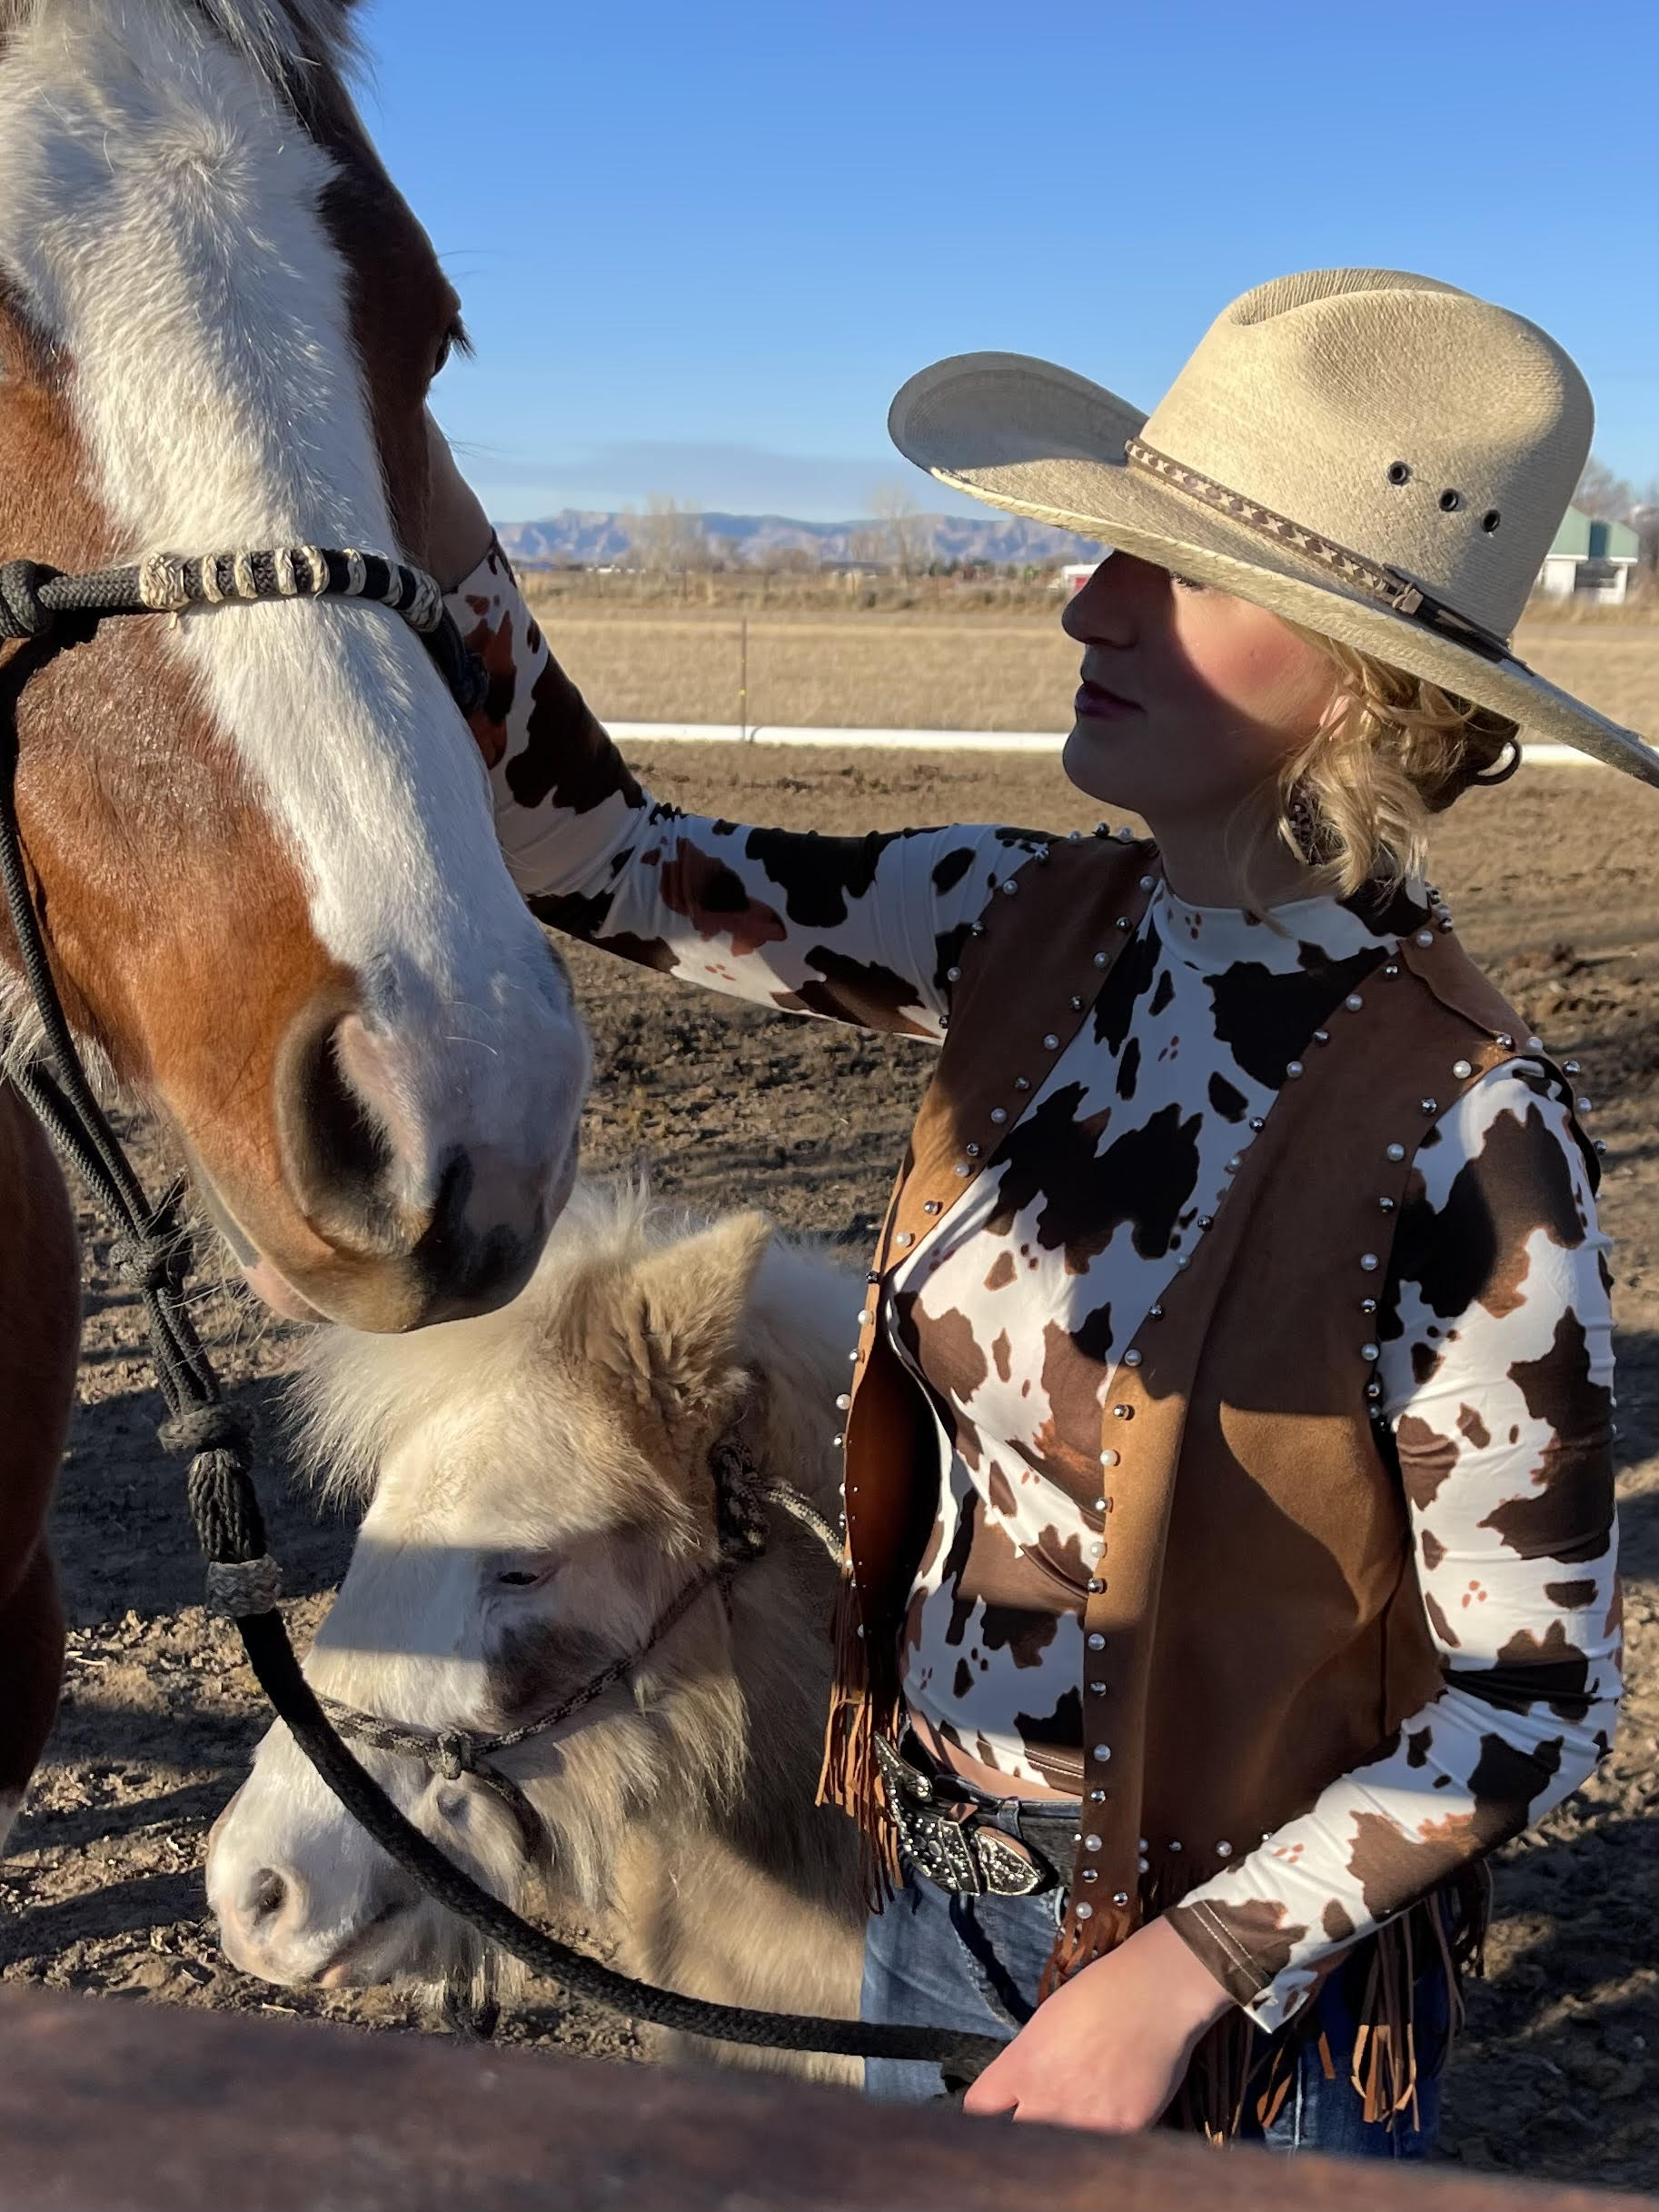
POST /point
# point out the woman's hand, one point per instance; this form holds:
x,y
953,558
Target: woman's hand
x,y
458,531
1109,2047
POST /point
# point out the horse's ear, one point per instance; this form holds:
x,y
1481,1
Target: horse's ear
x,y
682,1312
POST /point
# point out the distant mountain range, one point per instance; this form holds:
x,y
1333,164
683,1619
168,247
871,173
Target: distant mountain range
x,y
595,540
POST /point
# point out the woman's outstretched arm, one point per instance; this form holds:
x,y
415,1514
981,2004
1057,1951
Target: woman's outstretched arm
x,y
866,929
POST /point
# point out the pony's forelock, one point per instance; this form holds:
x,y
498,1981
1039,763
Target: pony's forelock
x,y
358,1396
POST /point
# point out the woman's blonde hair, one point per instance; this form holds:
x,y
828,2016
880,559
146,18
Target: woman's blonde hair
x,y
1393,749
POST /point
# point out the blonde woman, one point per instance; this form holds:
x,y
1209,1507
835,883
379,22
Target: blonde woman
x,y
1229,1531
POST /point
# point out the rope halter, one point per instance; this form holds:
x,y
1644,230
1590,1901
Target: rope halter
x,y
741,1535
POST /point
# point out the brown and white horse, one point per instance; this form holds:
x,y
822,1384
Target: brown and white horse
x,y
259,837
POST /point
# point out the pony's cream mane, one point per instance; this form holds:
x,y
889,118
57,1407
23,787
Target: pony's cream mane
x,y
282,39
358,1396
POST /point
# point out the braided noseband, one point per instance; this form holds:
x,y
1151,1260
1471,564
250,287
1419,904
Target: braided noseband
x,y
35,599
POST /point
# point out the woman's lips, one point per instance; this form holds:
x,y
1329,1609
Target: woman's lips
x,y
1094,702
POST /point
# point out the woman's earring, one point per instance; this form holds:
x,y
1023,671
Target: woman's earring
x,y
1308,833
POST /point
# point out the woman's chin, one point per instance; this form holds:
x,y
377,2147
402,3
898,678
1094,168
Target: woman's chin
x,y
1093,757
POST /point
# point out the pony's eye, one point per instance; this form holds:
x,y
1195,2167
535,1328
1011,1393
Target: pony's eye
x,y
446,346
527,1577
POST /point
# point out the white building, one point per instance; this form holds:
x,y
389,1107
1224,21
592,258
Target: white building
x,y
1590,560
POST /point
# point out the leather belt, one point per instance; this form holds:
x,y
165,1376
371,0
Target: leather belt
x,y
956,1843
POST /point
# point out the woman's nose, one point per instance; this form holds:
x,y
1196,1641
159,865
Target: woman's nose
x,y
1103,611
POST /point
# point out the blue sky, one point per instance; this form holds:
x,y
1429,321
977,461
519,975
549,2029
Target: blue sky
x,y
700,246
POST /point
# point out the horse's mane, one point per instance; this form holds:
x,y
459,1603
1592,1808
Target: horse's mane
x,y
282,39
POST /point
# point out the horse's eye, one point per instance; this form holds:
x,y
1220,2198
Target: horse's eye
x,y
446,346
519,1577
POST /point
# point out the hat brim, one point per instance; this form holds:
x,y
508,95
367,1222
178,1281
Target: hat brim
x,y
1035,439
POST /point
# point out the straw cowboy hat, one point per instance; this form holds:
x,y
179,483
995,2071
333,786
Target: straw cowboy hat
x,y
1380,457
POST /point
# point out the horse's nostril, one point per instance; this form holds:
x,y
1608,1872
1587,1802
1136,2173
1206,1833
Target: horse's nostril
x,y
267,1896
337,1148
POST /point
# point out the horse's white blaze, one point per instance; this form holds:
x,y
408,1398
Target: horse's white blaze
x,y
159,214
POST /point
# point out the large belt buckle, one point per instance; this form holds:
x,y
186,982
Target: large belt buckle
x,y
957,1851
1009,1868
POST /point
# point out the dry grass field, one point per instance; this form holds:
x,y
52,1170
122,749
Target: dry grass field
x,y
937,667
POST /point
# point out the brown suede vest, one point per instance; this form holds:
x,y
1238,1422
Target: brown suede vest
x,y
1262,1630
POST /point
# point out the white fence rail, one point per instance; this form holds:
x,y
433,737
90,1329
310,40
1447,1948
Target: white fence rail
x,y
931,741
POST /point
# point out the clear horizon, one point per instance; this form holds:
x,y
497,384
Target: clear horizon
x,y
699,251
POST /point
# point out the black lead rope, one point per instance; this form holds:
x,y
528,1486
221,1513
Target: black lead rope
x,y
151,1252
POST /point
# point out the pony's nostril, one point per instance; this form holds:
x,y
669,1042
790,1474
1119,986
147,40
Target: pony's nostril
x,y
267,1896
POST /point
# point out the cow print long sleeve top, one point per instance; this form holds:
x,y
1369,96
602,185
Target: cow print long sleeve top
x,y
1493,1326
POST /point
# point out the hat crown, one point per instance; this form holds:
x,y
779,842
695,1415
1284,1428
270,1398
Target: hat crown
x,y
1408,420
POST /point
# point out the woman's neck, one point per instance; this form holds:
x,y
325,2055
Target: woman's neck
x,y
1228,864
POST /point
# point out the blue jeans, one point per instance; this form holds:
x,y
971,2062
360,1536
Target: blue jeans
x,y
938,1959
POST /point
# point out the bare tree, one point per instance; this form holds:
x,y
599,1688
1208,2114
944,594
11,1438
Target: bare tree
x,y
1601,493
906,530
667,538
1643,519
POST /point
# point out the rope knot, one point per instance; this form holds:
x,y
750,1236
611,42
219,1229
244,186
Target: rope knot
x,y
453,1754
236,1588
163,586
740,1517
200,1429
156,1256
149,1263
21,614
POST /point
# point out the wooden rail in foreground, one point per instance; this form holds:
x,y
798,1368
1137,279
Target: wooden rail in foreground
x,y
111,2107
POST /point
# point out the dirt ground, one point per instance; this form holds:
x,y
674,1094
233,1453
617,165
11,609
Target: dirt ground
x,y
1554,884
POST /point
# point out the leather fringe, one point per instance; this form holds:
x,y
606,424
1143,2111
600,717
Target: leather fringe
x,y
1236,2073
1081,1941
849,1777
